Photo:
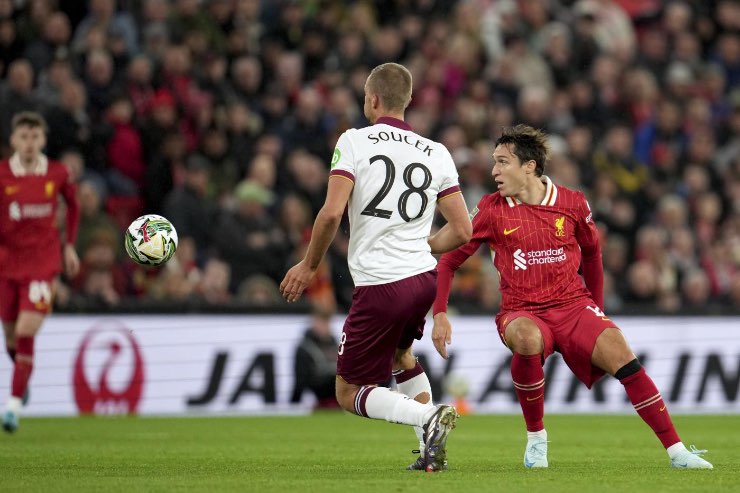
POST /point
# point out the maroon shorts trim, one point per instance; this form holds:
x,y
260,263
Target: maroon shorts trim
x,y
571,330
383,318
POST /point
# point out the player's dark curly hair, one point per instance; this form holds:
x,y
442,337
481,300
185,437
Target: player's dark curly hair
x,y
530,144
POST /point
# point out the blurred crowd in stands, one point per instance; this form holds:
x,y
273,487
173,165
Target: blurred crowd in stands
x,y
222,115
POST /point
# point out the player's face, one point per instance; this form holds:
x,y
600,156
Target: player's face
x,y
508,172
28,142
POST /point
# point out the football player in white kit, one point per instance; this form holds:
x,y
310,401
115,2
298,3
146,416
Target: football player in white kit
x,y
393,181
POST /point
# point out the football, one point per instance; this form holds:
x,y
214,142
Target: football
x,y
150,240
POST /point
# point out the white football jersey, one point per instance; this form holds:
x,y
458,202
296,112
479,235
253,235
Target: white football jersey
x,y
398,177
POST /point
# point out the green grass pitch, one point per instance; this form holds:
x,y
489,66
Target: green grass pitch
x,y
338,452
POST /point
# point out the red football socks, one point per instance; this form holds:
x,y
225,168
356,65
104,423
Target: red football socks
x,y
649,404
529,384
23,366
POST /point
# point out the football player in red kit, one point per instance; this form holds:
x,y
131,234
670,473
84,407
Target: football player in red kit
x,y
31,253
540,234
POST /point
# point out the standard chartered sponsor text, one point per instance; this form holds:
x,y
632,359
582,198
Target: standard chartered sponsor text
x,y
549,256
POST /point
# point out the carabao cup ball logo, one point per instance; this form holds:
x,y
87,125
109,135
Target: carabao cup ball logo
x,y
150,240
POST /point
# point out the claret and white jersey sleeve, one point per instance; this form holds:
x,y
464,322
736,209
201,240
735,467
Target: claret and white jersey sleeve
x,y
398,178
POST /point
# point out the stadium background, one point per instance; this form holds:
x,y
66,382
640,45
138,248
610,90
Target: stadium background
x,y
222,116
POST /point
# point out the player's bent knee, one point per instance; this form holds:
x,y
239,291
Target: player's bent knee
x,y
345,393
628,370
525,338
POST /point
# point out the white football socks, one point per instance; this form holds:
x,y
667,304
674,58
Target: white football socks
x,y
675,449
382,403
14,404
412,388
542,434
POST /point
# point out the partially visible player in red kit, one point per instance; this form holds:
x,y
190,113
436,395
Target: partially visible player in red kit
x,y
31,254
539,235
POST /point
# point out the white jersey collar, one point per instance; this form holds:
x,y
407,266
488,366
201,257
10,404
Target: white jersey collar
x,y
42,166
551,193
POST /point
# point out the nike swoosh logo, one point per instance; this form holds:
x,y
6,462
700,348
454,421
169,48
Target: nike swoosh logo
x,y
662,409
507,232
530,399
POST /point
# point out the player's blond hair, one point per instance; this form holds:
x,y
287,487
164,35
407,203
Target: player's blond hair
x,y
29,119
529,143
391,82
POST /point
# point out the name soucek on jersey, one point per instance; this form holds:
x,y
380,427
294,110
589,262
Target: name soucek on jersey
x,y
398,178
30,246
537,249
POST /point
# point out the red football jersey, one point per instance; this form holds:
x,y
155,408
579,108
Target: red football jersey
x,y
537,250
30,246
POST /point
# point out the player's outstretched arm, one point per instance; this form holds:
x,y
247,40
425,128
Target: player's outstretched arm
x,y
325,227
587,236
593,273
70,258
458,229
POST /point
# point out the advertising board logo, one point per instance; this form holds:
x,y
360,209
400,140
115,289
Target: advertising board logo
x,y
108,371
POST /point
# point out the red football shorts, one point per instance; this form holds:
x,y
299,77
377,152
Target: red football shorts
x,y
24,295
571,330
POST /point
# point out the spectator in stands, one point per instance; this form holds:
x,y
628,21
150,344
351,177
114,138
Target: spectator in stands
x,y
189,208
57,32
249,240
138,85
615,158
52,79
214,147
103,14
124,150
167,162
642,101
180,278
214,284
94,222
315,363
11,44
258,290
72,126
16,94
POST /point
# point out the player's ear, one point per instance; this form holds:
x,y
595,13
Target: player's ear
x,y
375,101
